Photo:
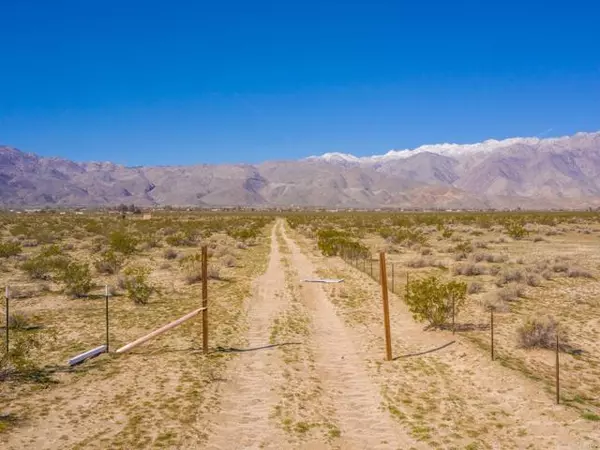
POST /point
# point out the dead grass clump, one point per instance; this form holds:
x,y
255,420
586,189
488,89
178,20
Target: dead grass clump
x,y
241,245
18,321
538,239
488,257
511,292
425,251
221,250
193,276
547,274
469,270
475,288
578,272
533,280
228,261
30,243
560,267
538,333
494,302
553,233
170,253
481,244
510,276
214,272
418,263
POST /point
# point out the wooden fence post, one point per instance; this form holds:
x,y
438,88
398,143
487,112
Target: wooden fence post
x,y
492,331
7,298
205,299
106,316
557,371
386,307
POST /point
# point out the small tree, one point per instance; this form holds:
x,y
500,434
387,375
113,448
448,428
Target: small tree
x,y
77,279
137,285
431,300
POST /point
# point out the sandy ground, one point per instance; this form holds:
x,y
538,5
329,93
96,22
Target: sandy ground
x,y
321,382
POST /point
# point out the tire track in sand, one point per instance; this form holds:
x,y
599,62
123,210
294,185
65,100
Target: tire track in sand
x,y
250,397
358,403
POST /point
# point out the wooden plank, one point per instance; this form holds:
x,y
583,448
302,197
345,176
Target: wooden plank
x,y
87,355
159,331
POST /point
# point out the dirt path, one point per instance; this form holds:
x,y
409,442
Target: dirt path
x,y
249,398
454,396
341,365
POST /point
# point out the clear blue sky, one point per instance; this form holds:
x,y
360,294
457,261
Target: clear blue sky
x,y
171,82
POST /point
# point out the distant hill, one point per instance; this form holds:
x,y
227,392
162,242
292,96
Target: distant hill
x,y
521,172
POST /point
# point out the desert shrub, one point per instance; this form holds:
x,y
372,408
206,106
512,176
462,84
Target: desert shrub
x,y
136,284
516,230
533,280
560,267
8,249
123,242
213,272
480,244
509,276
488,257
547,274
18,321
179,239
425,251
30,243
417,263
538,333
77,279
333,242
447,233
462,249
241,245
510,292
469,270
109,262
170,253
538,239
228,261
20,359
50,261
578,272
474,288
431,300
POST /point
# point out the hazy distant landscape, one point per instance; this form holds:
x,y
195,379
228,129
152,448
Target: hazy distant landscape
x,y
529,173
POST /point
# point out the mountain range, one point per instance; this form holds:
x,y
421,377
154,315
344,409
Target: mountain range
x,y
529,173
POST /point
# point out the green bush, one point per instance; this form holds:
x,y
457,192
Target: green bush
x,y
77,279
123,242
50,261
431,300
8,249
516,230
137,285
109,262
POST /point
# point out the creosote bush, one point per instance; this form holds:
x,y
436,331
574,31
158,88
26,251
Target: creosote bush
x,y
136,284
123,242
430,300
516,230
77,279
8,249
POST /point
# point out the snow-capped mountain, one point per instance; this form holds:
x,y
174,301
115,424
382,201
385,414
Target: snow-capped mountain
x,y
452,150
536,173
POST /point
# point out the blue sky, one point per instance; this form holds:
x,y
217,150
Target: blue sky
x,y
146,82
